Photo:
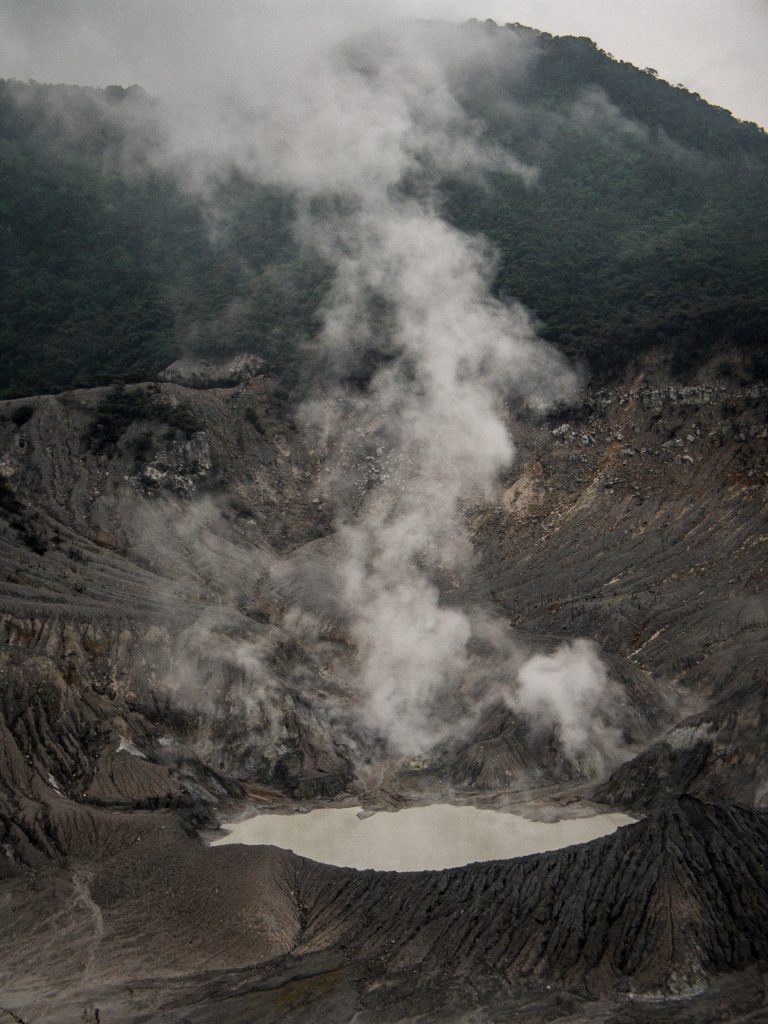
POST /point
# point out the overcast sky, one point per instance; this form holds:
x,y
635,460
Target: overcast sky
x,y
714,47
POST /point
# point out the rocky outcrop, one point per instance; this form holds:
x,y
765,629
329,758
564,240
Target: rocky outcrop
x,y
719,752
198,372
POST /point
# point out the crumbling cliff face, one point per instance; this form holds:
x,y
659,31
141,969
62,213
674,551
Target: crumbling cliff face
x,y
158,662
140,575
640,521
121,566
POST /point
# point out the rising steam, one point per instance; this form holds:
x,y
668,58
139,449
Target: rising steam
x,y
362,133
435,411
434,408
362,129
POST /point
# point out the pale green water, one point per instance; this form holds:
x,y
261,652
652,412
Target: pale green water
x,y
417,838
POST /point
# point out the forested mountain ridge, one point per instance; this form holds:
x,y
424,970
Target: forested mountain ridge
x,y
110,270
647,224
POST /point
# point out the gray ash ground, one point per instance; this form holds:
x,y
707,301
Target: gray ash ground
x,y
637,519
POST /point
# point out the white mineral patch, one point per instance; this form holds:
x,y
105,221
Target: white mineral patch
x,y
129,748
415,839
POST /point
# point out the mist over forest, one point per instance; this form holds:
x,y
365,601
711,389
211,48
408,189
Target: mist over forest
x,y
622,212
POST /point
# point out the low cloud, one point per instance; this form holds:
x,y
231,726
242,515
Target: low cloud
x,y
569,690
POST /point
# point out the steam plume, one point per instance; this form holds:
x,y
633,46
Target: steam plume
x,y
361,129
362,133
434,409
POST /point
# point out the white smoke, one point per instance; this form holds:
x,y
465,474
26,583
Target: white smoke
x,y
436,411
358,126
362,130
592,109
212,658
567,690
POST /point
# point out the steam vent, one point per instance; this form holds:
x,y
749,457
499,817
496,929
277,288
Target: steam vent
x,y
383,466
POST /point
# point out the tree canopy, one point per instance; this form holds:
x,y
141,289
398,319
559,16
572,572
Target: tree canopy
x,y
646,225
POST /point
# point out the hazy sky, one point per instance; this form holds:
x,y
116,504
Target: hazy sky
x,y
714,47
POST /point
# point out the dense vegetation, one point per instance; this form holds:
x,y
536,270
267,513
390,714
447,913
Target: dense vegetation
x,y
120,408
108,269
648,224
